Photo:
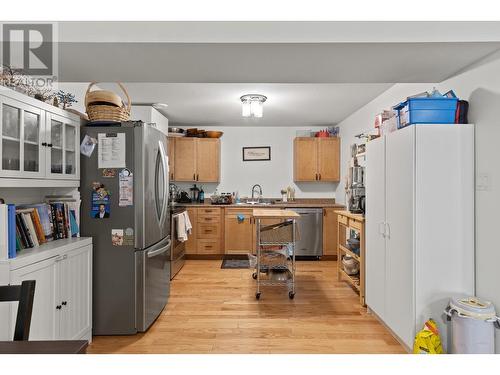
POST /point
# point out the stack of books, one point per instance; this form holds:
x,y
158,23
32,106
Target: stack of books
x,y
29,226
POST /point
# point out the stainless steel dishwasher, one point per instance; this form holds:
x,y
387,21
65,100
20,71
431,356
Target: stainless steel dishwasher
x,y
310,226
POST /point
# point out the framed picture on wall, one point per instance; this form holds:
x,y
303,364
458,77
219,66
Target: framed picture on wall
x,y
256,153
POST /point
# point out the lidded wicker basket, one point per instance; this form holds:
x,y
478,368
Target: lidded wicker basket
x,y
102,105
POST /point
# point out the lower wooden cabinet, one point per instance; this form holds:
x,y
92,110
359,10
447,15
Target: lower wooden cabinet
x,y
206,236
239,233
330,231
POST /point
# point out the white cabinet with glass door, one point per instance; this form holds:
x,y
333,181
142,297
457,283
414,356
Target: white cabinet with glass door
x,y
62,134
37,141
21,139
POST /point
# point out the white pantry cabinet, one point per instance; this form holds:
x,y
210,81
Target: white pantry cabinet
x,y
37,141
62,308
419,225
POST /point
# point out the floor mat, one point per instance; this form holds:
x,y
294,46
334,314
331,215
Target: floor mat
x,y
235,262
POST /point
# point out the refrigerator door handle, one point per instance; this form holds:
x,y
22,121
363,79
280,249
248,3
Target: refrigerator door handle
x,y
164,161
161,212
161,250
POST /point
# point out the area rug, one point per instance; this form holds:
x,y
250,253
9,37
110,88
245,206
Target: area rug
x,y
235,262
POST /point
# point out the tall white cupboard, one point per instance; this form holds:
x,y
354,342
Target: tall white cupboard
x,y
419,225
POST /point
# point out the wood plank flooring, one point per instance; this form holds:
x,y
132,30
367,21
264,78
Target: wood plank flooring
x,y
214,310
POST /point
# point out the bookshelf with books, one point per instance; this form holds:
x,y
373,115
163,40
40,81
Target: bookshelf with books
x,y
31,226
40,219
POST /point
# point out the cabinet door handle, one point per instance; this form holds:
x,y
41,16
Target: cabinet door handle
x,y
49,145
44,143
197,177
58,307
387,230
319,176
64,303
194,176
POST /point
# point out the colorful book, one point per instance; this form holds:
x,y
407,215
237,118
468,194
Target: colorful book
x,y
24,241
26,231
12,230
19,244
38,226
31,229
75,231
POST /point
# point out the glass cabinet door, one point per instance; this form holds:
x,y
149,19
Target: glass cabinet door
x,y
70,149
11,138
56,147
21,133
31,142
64,142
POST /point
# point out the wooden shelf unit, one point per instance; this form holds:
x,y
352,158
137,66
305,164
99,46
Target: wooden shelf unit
x,y
348,221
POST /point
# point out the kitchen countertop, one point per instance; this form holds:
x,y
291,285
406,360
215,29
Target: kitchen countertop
x,y
297,203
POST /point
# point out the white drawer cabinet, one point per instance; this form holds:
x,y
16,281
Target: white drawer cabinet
x,y
62,308
37,141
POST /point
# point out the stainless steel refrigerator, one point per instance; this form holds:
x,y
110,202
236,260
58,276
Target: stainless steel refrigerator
x,y
124,192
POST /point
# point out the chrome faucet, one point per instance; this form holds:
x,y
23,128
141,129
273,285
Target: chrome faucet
x,y
260,191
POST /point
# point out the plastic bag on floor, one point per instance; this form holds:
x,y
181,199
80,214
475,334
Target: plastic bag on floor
x,y
427,341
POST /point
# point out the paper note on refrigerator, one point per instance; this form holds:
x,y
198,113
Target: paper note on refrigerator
x,y
111,150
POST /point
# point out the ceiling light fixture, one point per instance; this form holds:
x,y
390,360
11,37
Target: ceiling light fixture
x,y
252,105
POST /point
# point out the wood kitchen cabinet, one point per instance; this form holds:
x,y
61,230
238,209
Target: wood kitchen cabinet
x,y
316,159
330,231
206,235
197,159
239,235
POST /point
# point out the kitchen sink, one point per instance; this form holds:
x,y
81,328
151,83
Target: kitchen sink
x,y
264,202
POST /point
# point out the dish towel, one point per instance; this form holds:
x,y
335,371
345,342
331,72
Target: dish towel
x,y
184,226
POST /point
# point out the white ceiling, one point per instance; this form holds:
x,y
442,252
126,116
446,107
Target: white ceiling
x,y
314,73
287,104
267,63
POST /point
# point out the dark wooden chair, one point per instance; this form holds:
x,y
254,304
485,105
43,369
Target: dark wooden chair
x,y
25,294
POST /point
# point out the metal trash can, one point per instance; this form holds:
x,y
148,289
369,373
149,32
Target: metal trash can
x,y
473,323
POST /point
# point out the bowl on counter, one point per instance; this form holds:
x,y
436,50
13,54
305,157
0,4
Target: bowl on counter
x,y
213,134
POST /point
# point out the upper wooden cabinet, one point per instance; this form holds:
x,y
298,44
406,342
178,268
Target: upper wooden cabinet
x,y
316,159
196,159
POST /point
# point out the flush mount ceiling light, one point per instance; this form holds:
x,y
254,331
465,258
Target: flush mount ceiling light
x,y
252,105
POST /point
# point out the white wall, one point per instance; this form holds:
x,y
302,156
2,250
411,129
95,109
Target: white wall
x,y
480,85
273,175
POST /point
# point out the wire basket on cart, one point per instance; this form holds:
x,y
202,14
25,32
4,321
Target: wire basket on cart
x,y
276,255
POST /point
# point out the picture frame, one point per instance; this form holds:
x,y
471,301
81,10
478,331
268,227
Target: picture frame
x,y
261,153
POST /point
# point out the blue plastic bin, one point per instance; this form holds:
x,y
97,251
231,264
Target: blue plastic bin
x,y
426,111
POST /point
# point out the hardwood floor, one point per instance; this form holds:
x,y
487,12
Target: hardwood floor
x,y
213,310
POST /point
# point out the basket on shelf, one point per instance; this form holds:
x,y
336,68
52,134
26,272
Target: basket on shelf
x,y
279,233
274,258
102,105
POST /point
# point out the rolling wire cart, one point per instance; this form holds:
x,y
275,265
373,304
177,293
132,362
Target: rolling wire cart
x,y
275,250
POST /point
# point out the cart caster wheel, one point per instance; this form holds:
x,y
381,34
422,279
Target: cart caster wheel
x,y
291,295
257,295
254,276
